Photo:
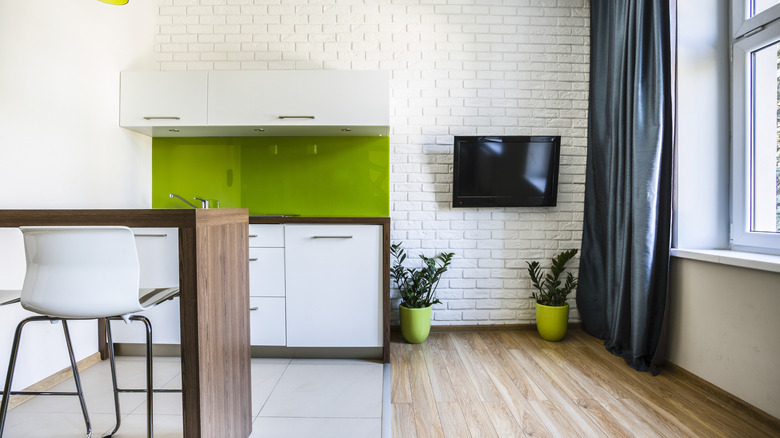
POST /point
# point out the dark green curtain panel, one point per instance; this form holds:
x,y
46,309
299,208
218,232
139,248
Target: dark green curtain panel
x,y
624,263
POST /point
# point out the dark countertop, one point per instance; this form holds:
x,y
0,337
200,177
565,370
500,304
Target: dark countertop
x,y
318,220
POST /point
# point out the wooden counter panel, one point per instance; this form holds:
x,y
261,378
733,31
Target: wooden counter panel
x,y
129,218
221,336
220,216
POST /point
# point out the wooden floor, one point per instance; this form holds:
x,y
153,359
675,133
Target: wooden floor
x,y
514,384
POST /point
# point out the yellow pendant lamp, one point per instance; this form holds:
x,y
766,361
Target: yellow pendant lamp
x,y
114,2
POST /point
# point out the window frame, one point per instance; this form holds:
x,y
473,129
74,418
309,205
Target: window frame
x,y
750,35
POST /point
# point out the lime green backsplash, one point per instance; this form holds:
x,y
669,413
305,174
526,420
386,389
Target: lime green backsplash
x,y
309,176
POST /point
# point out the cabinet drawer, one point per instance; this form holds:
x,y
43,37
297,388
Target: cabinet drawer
x,y
266,272
267,321
158,256
266,235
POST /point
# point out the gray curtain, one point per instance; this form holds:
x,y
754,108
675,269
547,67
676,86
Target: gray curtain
x,y
624,263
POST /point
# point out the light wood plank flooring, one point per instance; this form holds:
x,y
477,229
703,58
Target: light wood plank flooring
x,y
514,384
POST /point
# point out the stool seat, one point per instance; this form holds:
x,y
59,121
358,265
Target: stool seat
x,y
10,296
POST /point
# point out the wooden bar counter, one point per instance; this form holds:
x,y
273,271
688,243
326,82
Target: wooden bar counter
x,y
214,282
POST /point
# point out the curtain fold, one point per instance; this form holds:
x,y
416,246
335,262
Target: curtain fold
x,y
624,263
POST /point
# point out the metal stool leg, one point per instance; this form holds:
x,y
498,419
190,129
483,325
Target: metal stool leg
x,y
12,365
149,377
76,377
10,375
112,363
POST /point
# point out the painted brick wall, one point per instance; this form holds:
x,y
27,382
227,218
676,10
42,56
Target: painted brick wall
x,y
459,67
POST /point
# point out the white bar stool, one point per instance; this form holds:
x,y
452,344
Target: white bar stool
x,y
85,273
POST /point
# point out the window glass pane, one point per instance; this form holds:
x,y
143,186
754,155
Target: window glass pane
x,y
765,139
759,6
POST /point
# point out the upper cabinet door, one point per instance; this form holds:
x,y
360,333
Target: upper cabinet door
x,y
149,99
298,98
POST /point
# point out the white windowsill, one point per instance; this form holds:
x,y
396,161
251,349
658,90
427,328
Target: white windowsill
x,y
751,260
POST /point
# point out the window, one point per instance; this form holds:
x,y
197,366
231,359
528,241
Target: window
x,y
756,119
758,6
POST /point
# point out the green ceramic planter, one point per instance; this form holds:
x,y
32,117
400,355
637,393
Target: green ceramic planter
x,y
552,321
415,324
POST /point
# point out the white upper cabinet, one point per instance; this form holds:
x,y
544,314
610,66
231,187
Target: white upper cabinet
x,y
340,102
162,99
256,103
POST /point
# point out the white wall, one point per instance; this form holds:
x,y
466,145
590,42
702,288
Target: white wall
x,y
723,327
458,68
60,144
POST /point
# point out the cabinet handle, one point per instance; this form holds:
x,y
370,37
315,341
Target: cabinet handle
x,y
252,309
150,235
297,117
252,260
252,235
331,237
162,118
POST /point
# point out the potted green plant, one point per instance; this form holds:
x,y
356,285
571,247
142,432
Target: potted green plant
x,y
552,310
417,288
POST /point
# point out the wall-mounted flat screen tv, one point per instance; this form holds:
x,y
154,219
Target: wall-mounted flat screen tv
x,y
505,171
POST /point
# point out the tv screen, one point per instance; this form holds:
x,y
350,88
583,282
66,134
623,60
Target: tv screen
x,y
505,171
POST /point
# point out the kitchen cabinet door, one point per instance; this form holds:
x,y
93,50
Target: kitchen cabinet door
x,y
168,99
299,98
158,260
334,285
267,321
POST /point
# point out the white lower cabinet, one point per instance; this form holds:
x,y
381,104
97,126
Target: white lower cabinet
x,y
334,285
267,321
267,315
158,260
310,285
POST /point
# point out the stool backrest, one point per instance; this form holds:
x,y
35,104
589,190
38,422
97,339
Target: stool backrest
x,y
80,272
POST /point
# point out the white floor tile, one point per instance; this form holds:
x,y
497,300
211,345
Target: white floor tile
x,y
265,377
165,426
316,427
291,398
53,425
347,391
164,404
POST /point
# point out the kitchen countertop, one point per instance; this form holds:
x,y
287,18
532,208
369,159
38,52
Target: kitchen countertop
x,y
281,219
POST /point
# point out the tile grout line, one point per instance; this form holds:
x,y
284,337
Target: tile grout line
x,y
270,393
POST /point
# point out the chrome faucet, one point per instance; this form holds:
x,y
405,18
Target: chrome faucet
x,y
204,203
173,195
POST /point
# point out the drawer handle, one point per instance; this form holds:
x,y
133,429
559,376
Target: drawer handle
x,y
150,235
252,309
162,118
253,260
297,117
331,237
252,235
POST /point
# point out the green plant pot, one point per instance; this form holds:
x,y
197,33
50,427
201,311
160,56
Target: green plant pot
x,y
552,321
415,324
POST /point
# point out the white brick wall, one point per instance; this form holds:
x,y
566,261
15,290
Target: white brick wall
x,y
459,67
